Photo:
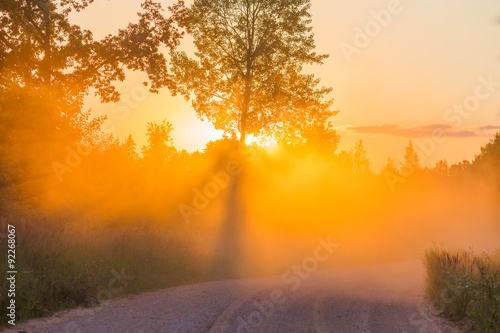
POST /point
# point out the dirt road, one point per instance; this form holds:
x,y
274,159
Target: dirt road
x,y
380,298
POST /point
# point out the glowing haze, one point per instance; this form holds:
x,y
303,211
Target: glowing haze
x,y
422,70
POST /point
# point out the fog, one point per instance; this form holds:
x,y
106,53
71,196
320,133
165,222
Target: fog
x,y
258,211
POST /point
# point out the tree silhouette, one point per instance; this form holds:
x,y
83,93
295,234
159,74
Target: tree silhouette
x,y
247,76
39,46
411,162
390,167
160,148
355,160
48,66
360,160
441,168
459,168
128,148
490,153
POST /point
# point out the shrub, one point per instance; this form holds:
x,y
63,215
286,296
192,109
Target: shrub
x,y
465,285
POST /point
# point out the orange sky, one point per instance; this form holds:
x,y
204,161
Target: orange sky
x,y
399,69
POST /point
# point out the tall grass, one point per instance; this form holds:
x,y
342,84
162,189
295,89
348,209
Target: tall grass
x,y
465,285
63,263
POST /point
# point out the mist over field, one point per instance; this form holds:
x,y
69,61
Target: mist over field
x,y
198,150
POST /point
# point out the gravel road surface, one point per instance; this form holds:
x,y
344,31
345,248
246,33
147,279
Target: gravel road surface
x,y
379,298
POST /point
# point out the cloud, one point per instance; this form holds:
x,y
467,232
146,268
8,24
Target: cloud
x,y
343,127
488,128
432,130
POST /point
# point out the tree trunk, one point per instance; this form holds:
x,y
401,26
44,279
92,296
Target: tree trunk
x,y
244,111
248,80
230,244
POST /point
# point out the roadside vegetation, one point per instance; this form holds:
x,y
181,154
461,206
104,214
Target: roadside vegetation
x,y
465,285
63,262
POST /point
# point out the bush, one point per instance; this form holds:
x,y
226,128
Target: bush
x,y
465,285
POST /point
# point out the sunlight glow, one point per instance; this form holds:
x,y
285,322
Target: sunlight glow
x,y
263,141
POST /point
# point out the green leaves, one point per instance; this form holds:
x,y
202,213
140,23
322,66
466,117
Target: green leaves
x,y
247,74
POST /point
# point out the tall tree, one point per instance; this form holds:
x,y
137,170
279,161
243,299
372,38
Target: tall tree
x,y
48,65
247,75
360,160
128,148
411,162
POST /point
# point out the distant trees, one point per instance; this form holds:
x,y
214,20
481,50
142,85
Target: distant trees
x,y
360,160
459,168
355,159
411,163
441,168
490,154
247,75
128,148
389,167
487,162
224,145
160,148
321,137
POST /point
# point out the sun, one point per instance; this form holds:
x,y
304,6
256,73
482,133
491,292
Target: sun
x,y
261,140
